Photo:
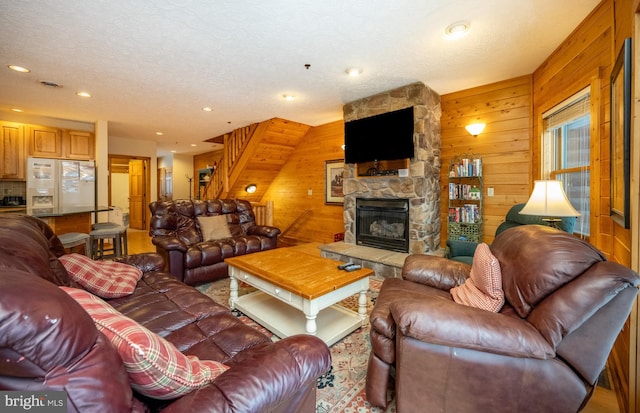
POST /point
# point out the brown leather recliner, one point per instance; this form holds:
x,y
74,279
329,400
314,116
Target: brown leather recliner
x,y
565,306
176,233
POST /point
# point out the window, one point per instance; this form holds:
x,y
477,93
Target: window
x,y
566,153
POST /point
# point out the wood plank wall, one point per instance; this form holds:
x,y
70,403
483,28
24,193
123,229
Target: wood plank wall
x,y
625,355
623,12
504,145
314,221
634,322
585,58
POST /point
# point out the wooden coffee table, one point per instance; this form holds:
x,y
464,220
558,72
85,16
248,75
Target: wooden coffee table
x,y
298,293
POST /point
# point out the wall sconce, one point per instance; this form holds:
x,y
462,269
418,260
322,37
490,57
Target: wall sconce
x,y
475,128
251,188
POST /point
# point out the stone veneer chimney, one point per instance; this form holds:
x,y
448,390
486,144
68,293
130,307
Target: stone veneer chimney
x,y
422,186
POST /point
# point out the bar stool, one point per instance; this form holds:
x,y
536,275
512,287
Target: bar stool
x,y
71,240
116,234
107,231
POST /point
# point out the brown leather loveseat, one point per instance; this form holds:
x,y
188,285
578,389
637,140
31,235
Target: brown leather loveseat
x,y
48,342
178,236
542,352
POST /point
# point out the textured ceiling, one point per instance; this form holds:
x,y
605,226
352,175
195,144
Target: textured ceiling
x,y
152,65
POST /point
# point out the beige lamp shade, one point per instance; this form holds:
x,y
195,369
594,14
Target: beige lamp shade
x,y
549,200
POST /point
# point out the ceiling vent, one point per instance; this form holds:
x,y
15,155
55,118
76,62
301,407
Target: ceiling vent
x,y
49,83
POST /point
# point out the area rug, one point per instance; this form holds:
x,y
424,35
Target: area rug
x,y
342,388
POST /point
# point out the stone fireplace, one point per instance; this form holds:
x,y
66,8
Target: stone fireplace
x,y
421,188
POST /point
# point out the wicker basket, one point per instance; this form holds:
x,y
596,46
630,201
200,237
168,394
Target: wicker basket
x,y
465,231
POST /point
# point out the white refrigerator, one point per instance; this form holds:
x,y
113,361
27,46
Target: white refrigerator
x,y
60,185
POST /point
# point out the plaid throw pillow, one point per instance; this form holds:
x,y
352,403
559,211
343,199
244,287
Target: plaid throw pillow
x,y
106,279
483,289
155,366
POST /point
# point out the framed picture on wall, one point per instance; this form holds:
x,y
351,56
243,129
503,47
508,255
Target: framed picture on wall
x,y
333,179
621,135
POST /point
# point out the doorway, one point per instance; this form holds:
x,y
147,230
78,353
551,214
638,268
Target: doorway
x,y
129,180
165,184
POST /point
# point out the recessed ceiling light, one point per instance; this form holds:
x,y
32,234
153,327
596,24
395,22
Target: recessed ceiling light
x,y
19,69
193,144
17,110
288,98
207,109
173,151
159,133
353,71
457,30
84,94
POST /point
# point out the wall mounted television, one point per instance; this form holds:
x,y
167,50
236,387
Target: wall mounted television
x,y
381,137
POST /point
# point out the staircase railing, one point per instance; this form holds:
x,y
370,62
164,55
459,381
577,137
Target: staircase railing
x,y
235,144
263,212
284,235
215,185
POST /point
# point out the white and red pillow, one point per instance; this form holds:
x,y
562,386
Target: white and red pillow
x,y
155,366
106,279
483,289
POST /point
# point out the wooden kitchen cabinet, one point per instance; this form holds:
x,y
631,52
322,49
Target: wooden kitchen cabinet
x,y
78,145
12,151
44,141
48,142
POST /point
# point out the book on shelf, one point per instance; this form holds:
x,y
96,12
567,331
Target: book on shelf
x,y
463,191
466,167
466,214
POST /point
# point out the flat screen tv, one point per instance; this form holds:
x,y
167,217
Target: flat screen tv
x,y
382,137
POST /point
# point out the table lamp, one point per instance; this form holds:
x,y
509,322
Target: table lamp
x,y
548,200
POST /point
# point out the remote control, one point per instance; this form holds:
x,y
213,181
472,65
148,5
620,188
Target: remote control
x,y
345,265
353,267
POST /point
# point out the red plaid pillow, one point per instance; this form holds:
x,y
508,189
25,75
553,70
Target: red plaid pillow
x,y
483,289
106,279
156,368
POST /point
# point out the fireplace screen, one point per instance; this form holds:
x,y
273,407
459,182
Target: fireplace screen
x,y
383,223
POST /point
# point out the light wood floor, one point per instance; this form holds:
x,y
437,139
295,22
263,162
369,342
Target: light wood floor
x,y
139,241
603,400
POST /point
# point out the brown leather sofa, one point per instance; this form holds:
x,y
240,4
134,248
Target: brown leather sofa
x,y
176,233
542,352
48,342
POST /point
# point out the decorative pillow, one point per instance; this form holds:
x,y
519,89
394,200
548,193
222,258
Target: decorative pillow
x,y
155,366
214,227
483,289
106,279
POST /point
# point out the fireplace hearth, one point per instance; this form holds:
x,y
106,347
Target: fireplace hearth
x,y
383,223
